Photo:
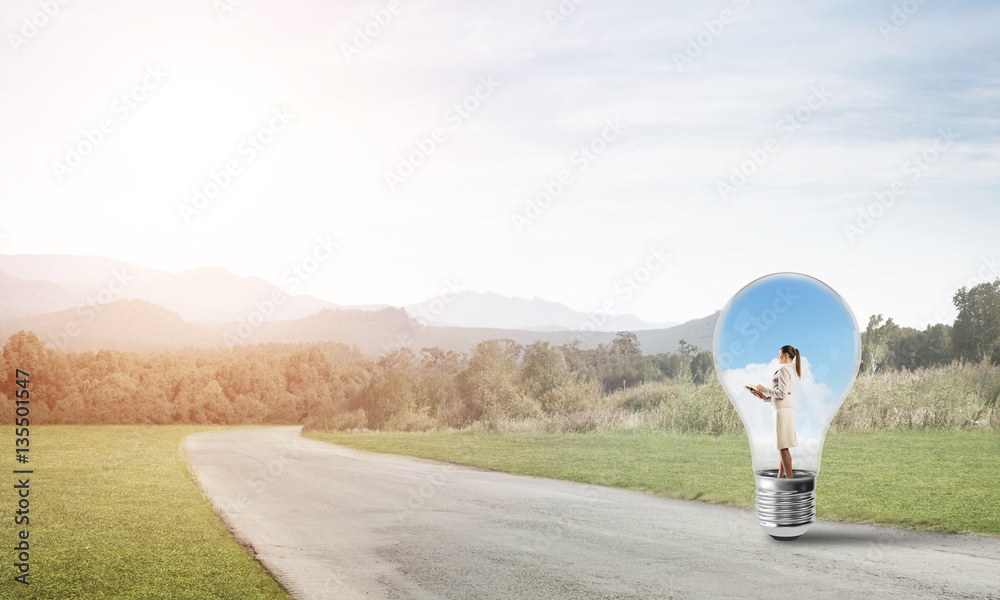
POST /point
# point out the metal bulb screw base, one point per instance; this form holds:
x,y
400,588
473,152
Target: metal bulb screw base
x,y
786,506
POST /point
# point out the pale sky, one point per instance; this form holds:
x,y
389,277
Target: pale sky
x,y
836,102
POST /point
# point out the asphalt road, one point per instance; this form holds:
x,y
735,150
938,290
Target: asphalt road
x,y
332,522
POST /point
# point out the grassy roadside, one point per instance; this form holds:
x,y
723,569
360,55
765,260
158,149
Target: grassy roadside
x,y
114,514
932,480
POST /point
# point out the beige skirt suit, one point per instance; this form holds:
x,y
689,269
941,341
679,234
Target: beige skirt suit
x,y
780,394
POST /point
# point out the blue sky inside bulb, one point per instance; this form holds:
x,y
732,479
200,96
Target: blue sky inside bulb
x,y
801,311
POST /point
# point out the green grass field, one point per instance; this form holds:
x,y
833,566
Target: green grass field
x,y
114,514
933,480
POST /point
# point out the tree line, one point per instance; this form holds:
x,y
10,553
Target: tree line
x,y
317,383
973,337
334,385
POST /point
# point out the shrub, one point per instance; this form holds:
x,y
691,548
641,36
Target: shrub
x,y
355,419
570,397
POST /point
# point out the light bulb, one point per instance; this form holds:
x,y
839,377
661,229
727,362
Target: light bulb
x,y
799,311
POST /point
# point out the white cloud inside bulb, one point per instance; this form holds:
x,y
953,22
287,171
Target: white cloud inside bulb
x,y
814,403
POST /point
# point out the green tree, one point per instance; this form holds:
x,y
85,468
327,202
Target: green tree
x,y
936,349
903,348
490,385
669,364
909,348
434,392
218,408
581,363
626,347
976,332
435,361
201,399
687,350
249,381
388,395
352,379
397,360
308,374
874,341
684,356
49,374
701,367
571,397
544,369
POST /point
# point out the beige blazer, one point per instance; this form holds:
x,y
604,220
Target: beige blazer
x,y
781,388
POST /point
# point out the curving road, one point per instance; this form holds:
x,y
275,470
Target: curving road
x,y
332,522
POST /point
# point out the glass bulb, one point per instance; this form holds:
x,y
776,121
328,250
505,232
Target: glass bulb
x,y
803,312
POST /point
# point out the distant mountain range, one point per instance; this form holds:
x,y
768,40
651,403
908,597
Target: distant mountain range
x,y
489,309
203,294
87,303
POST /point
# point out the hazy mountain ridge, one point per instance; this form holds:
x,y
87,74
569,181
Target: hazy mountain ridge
x,y
89,273
138,325
489,309
201,294
216,294
27,296
120,325
213,294
131,307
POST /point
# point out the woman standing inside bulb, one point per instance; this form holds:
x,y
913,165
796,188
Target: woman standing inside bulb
x,y
779,395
